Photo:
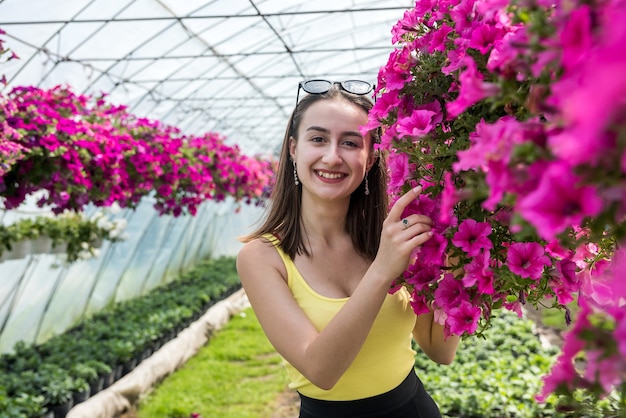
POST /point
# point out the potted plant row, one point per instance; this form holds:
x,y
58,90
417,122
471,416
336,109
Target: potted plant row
x,y
70,233
72,366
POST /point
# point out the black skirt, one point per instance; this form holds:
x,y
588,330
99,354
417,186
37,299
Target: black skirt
x,y
408,400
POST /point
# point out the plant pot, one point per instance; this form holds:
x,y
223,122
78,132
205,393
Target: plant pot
x,y
108,379
61,410
129,366
21,249
48,414
60,248
117,372
41,245
82,396
96,386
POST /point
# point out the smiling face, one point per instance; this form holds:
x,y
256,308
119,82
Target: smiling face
x,y
331,154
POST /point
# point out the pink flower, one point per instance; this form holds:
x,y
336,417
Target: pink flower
x,y
407,24
471,237
563,374
399,168
420,274
473,89
490,142
419,304
419,123
449,199
433,250
505,55
479,272
559,201
484,36
576,37
605,371
462,15
620,336
439,39
464,318
450,292
565,282
527,259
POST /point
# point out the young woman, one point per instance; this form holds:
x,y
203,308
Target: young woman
x,y
318,270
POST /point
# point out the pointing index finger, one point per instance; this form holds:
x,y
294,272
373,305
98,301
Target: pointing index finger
x,y
403,202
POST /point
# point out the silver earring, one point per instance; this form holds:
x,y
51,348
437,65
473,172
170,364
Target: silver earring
x,y
295,174
367,185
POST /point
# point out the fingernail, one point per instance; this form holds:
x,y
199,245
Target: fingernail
x,y
417,189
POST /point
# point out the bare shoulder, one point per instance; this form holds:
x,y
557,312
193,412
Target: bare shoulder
x,y
259,258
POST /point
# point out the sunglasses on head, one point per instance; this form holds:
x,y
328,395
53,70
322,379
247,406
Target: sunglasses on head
x,y
357,87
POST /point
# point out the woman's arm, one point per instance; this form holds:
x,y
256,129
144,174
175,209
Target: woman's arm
x,y
430,336
324,356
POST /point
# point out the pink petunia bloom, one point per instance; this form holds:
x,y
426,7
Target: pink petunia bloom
x,y
450,292
439,39
419,123
471,237
617,272
620,335
472,90
576,38
409,23
449,199
464,318
394,74
420,274
505,57
462,15
563,373
433,250
399,168
419,304
602,369
490,142
484,36
565,282
479,272
559,201
514,307
597,79
501,179
527,259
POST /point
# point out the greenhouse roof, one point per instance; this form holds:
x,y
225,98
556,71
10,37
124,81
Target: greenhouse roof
x,y
226,66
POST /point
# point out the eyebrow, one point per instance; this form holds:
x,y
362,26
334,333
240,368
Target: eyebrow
x,y
348,133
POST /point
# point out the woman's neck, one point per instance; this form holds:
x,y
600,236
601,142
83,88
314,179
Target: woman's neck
x,y
324,221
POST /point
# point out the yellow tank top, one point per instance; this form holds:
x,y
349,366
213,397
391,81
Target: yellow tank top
x,y
384,360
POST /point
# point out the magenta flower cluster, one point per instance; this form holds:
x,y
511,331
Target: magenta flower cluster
x,y
82,150
512,117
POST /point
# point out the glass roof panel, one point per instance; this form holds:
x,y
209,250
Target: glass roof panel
x,y
232,66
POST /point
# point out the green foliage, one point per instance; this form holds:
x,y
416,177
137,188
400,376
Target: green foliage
x,y
497,376
67,363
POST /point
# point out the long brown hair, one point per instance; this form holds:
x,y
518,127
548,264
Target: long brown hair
x,y
366,212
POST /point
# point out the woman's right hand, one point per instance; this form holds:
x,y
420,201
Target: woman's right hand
x,y
400,236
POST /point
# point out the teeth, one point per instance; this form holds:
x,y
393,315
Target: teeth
x,y
329,175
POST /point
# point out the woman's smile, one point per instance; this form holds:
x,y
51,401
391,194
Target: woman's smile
x,y
330,175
